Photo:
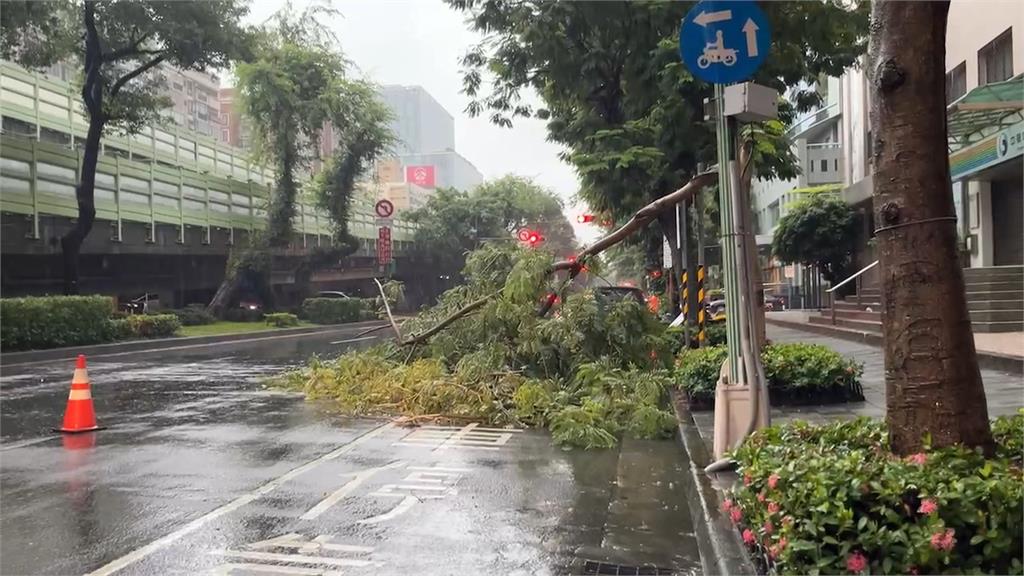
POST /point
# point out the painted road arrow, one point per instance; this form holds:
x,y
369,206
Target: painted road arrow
x,y
705,18
750,29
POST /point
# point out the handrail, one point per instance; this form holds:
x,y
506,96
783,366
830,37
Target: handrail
x,y
861,271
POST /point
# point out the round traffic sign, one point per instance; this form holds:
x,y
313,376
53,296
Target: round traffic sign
x,y
523,234
724,41
384,208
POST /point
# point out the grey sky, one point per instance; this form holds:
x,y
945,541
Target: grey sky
x,y
420,42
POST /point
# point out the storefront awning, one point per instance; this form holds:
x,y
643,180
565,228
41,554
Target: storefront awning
x,y
985,110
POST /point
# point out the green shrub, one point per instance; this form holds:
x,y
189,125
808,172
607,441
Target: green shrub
x,y
120,328
54,321
153,325
698,371
194,315
832,499
333,310
797,373
1009,435
714,333
281,319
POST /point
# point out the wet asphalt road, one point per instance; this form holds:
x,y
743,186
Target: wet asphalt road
x,y
204,471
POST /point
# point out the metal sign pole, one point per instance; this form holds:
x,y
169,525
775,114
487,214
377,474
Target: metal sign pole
x,y
729,263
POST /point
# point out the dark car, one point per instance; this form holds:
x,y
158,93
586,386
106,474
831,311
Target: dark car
x,y
772,303
609,295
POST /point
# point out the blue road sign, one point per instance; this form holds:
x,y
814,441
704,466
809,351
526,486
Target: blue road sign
x,y
724,41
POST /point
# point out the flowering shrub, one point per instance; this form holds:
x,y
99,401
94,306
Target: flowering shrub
x,y
833,499
797,373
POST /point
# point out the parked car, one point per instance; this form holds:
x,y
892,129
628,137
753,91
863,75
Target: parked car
x,y
608,295
772,303
140,304
716,309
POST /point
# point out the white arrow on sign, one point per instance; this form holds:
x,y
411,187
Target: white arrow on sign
x,y
750,29
705,18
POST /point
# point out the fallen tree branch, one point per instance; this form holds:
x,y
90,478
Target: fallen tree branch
x,y
448,320
643,217
375,329
387,308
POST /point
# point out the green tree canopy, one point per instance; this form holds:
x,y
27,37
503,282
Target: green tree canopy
x,y
818,231
125,44
617,96
454,222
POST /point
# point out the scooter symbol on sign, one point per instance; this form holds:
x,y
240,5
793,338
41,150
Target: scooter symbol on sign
x,y
716,52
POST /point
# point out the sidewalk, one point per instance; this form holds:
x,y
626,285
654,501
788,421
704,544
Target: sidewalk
x,y
999,351
1004,391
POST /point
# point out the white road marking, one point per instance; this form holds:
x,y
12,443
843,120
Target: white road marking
x,y
438,469
293,558
356,481
140,553
471,436
229,570
22,444
356,339
403,507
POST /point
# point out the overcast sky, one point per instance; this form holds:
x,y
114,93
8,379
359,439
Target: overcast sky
x,y
419,42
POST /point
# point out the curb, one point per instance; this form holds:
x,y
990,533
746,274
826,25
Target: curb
x,y
721,551
9,359
986,360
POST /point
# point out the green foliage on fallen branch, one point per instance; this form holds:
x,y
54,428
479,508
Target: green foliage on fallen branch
x,y
591,372
833,499
797,373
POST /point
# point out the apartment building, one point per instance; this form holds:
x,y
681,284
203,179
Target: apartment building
x,y
195,101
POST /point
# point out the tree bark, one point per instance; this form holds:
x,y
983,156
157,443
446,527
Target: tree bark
x,y
92,96
933,385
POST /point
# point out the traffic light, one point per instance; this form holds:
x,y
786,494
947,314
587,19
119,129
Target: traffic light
x,y
585,218
531,238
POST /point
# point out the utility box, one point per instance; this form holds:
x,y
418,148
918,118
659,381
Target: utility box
x,y
749,102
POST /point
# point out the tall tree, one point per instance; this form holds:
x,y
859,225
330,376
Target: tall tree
x,y
617,96
297,81
932,382
124,42
819,230
454,222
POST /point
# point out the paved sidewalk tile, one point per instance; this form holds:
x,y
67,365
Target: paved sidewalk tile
x,y
1004,391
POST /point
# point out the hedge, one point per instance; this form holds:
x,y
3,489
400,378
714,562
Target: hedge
x,y
153,325
833,499
194,315
55,321
335,310
281,319
797,374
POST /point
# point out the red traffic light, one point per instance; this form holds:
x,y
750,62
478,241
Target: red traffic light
x,y
655,274
530,237
585,218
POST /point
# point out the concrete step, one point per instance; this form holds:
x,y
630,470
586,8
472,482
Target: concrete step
x,y
864,325
980,305
993,295
990,273
995,286
874,316
852,304
989,327
998,315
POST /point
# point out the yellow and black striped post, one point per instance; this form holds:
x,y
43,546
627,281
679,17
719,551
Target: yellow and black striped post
x,y
685,290
701,320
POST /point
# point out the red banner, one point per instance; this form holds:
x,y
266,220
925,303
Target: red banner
x,y
420,176
384,246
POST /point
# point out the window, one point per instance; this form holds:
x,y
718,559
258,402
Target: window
x,y
995,59
177,86
835,161
956,82
824,165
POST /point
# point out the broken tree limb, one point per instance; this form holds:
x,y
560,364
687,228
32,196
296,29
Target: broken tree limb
x,y
416,339
374,329
387,308
643,217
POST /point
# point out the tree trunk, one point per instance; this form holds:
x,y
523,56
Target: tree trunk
x,y
225,292
933,386
92,96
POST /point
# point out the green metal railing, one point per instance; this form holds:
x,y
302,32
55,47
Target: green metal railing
x,y
162,175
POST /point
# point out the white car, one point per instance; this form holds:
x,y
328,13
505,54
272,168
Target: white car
x,y
332,294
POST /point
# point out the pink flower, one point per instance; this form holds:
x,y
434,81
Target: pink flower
x,y
920,458
736,514
913,570
928,506
761,497
776,550
748,537
773,508
726,505
943,540
768,528
747,479
787,521
773,481
856,563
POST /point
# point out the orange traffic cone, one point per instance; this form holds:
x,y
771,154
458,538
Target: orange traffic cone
x,y
79,415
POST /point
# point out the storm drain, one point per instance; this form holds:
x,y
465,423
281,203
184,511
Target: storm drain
x,y
592,567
